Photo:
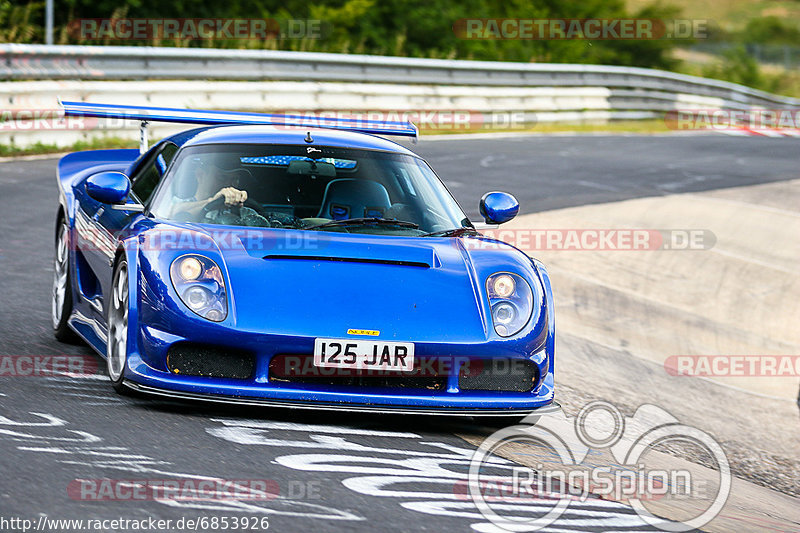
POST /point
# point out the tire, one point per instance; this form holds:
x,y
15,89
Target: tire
x,y
62,287
117,344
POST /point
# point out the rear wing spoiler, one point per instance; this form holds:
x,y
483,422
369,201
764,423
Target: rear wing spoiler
x,y
211,118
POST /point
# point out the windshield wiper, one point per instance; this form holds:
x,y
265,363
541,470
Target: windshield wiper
x,y
372,221
454,232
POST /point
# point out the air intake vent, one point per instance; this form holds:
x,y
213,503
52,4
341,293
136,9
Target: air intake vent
x,y
498,374
299,370
191,359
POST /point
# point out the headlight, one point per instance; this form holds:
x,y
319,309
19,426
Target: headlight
x,y
504,313
504,285
190,268
196,298
511,300
199,283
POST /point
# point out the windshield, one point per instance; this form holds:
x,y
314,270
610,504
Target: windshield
x,y
306,187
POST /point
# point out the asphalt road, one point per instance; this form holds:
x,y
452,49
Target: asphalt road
x,y
332,472
551,172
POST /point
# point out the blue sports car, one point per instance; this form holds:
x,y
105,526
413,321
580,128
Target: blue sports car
x,y
253,261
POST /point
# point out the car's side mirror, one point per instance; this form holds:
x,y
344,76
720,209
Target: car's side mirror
x,y
111,188
108,187
498,207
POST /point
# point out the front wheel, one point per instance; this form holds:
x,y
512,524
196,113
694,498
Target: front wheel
x,y
62,287
117,345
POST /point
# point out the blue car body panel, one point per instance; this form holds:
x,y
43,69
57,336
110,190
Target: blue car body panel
x,y
427,290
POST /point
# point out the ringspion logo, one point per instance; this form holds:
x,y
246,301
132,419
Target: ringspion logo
x,y
570,471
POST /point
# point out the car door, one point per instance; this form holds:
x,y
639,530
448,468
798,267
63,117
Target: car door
x,y
107,224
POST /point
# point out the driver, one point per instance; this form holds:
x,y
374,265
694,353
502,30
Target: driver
x,y
203,184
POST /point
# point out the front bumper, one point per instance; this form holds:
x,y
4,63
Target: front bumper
x,y
551,408
149,374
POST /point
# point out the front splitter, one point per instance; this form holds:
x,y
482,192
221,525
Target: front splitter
x,y
554,407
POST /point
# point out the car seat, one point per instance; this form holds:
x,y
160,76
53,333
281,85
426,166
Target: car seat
x,y
354,198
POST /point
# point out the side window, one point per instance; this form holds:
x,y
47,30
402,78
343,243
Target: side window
x,y
148,177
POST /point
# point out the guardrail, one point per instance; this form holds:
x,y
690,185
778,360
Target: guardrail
x,y
267,80
20,62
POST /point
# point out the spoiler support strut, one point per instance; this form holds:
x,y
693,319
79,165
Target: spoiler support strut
x,y
143,137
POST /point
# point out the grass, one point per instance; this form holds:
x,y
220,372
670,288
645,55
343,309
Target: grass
x,y
644,127
10,150
731,15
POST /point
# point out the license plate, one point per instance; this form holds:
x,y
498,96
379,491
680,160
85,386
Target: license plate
x,y
363,354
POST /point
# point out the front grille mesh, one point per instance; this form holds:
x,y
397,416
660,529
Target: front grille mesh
x,y
300,370
478,374
192,359
498,374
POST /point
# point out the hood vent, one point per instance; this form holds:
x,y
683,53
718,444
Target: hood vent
x,y
349,260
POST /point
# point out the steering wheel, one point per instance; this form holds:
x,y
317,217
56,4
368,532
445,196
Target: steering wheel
x,y
274,218
283,219
216,204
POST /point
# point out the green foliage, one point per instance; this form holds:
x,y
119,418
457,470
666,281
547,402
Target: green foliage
x,y
770,30
20,23
416,28
651,53
744,55
738,67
